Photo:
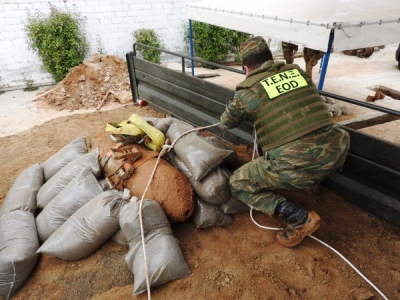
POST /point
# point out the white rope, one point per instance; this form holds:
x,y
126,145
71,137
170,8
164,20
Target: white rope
x,y
169,147
323,243
191,130
328,246
255,147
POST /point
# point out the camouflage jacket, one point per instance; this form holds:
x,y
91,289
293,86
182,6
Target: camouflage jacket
x,y
246,105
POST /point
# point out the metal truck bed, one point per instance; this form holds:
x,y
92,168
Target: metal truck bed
x,y
371,175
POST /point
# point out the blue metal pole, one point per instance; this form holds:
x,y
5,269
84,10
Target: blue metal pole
x,y
191,45
325,61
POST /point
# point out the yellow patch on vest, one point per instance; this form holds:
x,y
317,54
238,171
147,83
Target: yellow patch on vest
x,y
282,83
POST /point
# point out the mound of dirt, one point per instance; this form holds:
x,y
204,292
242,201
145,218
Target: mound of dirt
x,y
86,85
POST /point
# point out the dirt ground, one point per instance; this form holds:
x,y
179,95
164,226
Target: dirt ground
x,y
239,261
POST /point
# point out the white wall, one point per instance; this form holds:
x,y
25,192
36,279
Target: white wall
x,y
110,24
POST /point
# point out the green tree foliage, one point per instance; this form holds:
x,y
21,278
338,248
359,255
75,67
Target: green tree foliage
x,y
214,43
151,38
58,39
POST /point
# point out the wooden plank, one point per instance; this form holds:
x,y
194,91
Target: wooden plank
x,y
189,97
197,85
207,106
172,105
373,171
374,149
379,203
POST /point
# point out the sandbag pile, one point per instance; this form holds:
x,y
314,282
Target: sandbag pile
x,y
202,161
131,166
66,204
41,199
79,191
54,185
87,229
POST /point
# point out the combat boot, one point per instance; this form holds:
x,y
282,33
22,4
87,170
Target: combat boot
x,y
300,223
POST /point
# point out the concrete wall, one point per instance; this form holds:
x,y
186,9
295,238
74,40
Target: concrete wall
x,y
109,26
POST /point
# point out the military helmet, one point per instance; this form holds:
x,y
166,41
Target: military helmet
x,y
252,45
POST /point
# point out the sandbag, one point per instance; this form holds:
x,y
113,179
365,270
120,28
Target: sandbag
x,y
232,159
177,163
198,155
120,239
87,229
234,205
165,260
208,215
60,159
23,191
79,191
214,188
169,187
60,180
161,124
104,185
18,245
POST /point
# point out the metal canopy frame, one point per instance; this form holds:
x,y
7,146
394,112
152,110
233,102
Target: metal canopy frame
x,y
324,65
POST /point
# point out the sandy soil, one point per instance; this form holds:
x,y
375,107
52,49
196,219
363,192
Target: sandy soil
x,y
239,261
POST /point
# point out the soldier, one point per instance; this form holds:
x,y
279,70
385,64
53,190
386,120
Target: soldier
x,y
289,51
301,144
311,57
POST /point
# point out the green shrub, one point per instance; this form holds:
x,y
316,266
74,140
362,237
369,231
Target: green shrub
x,y
214,43
58,39
99,45
151,38
29,85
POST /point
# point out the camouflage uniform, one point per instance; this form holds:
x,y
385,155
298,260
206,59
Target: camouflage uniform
x,y
289,51
311,57
301,163
362,52
350,52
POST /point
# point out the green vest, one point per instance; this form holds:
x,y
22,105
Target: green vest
x,y
289,105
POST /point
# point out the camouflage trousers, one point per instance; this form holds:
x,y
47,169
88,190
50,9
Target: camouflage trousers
x,y
288,50
300,164
311,58
288,55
